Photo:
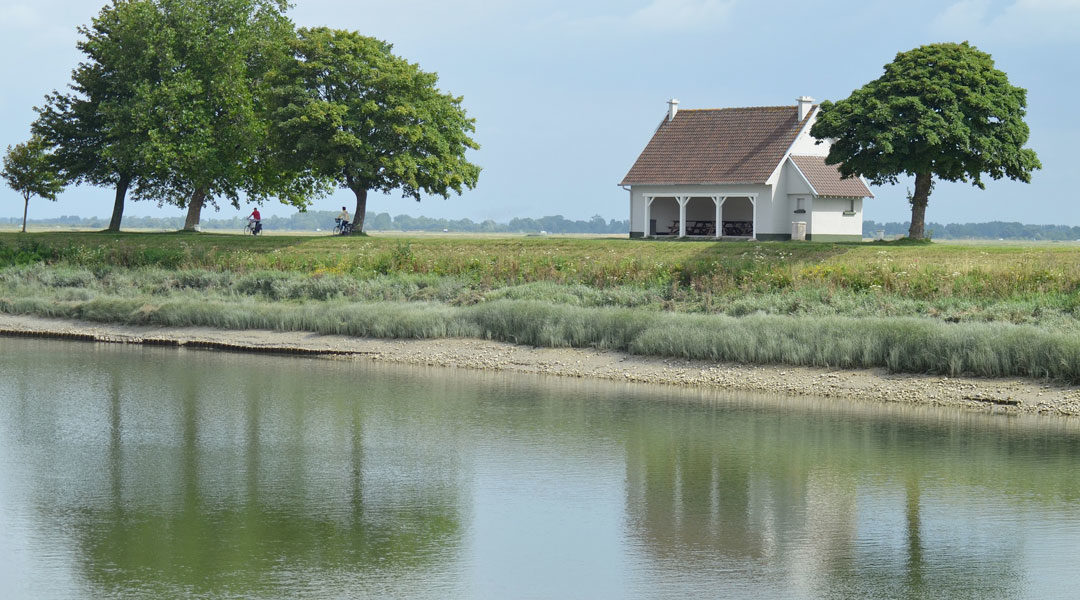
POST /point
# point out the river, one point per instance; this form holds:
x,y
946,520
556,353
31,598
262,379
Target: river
x,y
137,472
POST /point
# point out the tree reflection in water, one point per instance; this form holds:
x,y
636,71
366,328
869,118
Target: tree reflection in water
x,y
218,505
722,490
166,473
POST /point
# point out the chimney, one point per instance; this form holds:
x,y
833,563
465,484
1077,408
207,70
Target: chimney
x,y
805,102
673,108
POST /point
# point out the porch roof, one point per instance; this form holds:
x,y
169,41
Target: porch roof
x,y
825,179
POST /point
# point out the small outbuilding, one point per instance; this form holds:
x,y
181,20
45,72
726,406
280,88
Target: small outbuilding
x,y
743,173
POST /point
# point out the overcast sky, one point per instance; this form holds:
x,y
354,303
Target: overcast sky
x,y
566,93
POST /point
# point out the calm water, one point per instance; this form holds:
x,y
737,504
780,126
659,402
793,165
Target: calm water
x,y
155,473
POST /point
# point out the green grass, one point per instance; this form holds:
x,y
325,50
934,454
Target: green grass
x,y
981,309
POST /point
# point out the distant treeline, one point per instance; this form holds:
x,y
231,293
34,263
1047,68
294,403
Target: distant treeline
x,y
324,220
994,230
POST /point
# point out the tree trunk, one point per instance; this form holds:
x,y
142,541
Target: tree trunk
x,y
118,204
923,184
361,208
26,205
194,209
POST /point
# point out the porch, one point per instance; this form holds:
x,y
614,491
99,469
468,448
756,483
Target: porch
x,y
697,216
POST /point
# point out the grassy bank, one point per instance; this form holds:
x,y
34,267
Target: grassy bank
x,y
951,309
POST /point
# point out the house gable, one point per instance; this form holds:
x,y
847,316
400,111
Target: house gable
x,y
825,180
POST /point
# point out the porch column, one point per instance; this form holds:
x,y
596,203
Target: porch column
x,y
718,201
682,200
753,222
648,215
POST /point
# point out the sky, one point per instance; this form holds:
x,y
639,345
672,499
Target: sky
x,y
566,93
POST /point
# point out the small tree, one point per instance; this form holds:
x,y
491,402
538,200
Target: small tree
x,y
940,110
355,114
29,170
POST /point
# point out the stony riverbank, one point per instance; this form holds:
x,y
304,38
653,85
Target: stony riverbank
x,y
991,395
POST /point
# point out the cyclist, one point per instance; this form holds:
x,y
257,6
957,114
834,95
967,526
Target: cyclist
x,y
255,221
343,220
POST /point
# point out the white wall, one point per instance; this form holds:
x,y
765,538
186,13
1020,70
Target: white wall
x,y
805,144
829,218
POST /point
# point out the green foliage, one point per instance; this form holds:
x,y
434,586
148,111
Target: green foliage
x,y
29,169
354,113
207,132
95,127
939,110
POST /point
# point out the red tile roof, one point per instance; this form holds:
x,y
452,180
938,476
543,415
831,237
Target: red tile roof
x,y
826,181
724,145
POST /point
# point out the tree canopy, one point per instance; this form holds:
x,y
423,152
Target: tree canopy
x,y
354,113
940,110
205,119
94,127
30,170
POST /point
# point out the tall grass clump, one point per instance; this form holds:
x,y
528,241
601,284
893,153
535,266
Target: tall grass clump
x,y
910,345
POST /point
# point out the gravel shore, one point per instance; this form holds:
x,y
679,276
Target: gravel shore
x,y
1007,396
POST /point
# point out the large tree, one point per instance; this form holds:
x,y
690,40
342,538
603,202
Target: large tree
x,y
940,110
94,127
206,120
30,170
354,113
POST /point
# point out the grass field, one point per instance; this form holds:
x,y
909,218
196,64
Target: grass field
x,y
990,309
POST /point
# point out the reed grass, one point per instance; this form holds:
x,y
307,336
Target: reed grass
x,y
60,282
983,310
911,345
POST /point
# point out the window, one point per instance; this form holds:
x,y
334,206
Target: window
x,y
800,205
850,211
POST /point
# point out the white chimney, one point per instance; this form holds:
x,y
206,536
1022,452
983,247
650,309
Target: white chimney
x,y
673,108
805,102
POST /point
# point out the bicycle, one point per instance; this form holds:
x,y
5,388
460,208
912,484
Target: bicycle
x,y
253,227
342,227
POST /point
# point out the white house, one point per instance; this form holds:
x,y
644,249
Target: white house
x,y
756,172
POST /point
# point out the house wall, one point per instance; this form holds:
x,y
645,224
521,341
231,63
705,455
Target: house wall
x,y
665,211
739,209
805,144
831,224
700,208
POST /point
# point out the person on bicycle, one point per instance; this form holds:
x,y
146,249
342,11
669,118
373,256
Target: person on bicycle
x,y
343,219
256,221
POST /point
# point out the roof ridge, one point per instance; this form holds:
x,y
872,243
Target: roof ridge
x,y
776,107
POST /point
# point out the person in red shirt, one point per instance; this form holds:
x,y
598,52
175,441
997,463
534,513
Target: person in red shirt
x,y
256,220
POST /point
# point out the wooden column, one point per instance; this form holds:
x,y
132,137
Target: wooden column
x,y
719,202
648,215
753,222
682,200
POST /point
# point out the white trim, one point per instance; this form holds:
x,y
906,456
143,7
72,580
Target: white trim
x,y
682,200
753,218
718,225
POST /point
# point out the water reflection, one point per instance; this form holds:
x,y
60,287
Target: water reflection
x,y
234,485
158,473
732,490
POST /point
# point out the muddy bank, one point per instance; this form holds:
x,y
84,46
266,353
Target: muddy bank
x,y
992,395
